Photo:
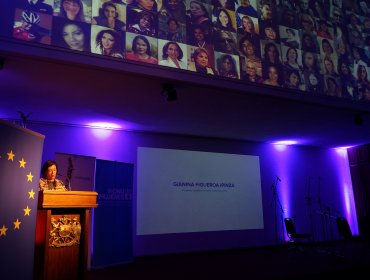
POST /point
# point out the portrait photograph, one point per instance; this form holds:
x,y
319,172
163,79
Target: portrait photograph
x,y
78,10
108,14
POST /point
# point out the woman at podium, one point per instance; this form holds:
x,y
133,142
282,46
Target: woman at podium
x,y
49,181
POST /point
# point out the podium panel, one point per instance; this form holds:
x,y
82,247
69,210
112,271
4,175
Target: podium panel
x,y
62,234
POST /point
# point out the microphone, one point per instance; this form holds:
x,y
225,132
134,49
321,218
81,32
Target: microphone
x,y
277,177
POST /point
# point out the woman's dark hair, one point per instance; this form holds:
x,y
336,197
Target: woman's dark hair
x,y
224,57
79,17
46,165
218,23
326,41
296,54
104,6
293,71
150,16
315,65
174,20
117,40
140,37
165,49
265,50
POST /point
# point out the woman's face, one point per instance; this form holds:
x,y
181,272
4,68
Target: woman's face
x,y
292,56
271,52
107,41
326,47
250,69
74,37
313,80
344,69
226,64
110,12
273,74
71,8
173,51
146,4
144,21
141,46
173,4
363,73
309,60
172,26
248,49
247,24
51,173
270,33
307,23
223,18
293,79
196,9
202,59
329,66
198,34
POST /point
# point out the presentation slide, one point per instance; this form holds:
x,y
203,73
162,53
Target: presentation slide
x,y
182,191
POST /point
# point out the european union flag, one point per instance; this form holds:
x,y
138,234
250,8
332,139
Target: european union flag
x,y
20,162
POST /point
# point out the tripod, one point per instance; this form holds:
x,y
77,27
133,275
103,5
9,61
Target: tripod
x,y
276,202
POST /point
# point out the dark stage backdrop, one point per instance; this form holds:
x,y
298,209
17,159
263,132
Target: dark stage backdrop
x,y
112,237
20,161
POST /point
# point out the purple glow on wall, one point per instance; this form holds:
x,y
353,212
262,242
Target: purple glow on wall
x,y
103,130
345,182
281,154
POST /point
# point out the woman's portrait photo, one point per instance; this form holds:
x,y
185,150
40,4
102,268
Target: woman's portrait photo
x,y
289,37
141,48
224,20
172,54
198,14
173,31
227,65
199,61
225,41
141,22
108,14
107,42
249,27
78,10
73,35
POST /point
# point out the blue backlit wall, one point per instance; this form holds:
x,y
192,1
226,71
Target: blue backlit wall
x,y
321,174
308,46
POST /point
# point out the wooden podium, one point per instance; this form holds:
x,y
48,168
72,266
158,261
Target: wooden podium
x,y
62,234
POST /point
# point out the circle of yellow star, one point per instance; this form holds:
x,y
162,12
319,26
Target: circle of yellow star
x,y
11,155
22,163
29,177
27,211
17,224
3,230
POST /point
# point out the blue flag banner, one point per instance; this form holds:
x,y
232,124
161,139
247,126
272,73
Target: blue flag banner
x,y
112,236
20,164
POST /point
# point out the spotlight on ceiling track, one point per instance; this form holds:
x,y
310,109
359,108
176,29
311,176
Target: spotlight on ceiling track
x,y
169,92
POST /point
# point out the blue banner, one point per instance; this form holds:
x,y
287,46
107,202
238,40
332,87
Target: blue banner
x,y
20,163
112,236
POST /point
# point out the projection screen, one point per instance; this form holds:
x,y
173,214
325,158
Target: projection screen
x,y
182,191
